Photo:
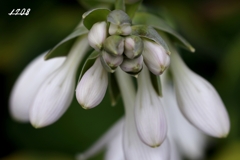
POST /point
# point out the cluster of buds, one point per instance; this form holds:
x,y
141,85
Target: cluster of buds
x,y
118,47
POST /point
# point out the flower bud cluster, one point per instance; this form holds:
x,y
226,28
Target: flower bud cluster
x,y
119,47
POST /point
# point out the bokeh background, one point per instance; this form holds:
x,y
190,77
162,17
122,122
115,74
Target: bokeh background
x,y
211,26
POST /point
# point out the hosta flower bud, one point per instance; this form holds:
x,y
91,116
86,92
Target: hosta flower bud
x,y
112,61
28,84
114,45
155,57
92,87
149,113
97,35
56,92
198,100
132,66
120,23
133,46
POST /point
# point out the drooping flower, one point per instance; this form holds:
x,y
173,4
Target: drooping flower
x,y
92,87
155,57
97,35
29,83
198,100
185,139
55,94
149,113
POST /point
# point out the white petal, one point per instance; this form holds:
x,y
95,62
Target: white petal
x,y
134,148
190,140
109,139
56,93
97,35
155,57
92,87
28,84
199,101
149,113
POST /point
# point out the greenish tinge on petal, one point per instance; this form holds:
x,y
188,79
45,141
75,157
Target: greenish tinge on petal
x,y
149,33
63,47
93,16
89,63
160,24
113,89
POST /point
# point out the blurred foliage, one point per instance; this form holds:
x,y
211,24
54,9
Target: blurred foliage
x,y
212,27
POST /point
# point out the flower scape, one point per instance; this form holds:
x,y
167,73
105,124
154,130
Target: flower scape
x,y
166,116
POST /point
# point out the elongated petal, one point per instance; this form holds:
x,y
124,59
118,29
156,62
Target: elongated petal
x,y
110,139
134,148
149,113
56,92
191,142
198,100
155,57
92,87
97,35
28,84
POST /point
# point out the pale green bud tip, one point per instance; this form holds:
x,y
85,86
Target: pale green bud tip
x,y
112,61
114,45
132,66
97,35
118,17
133,46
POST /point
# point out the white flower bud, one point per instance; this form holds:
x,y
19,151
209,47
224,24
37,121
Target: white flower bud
x,y
149,113
92,87
155,57
134,148
133,46
28,84
56,92
198,100
97,35
132,66
112,61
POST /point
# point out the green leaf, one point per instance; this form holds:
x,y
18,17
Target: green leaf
x,y
105,66
119,4
62,48
89,62
89,4
156,82
132,8
113,89
149,33
160,24
95,15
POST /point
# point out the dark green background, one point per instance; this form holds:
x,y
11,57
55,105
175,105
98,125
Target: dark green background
x,y
212,27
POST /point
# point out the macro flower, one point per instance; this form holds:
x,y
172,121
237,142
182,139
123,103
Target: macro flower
x,y
198,100
155,57
149,112
97,35
92,87
56,92
29,82
165,116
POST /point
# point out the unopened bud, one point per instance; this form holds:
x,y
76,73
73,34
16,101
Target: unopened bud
x,y
133,46
132,66
97,35
155,57
114,45
112,61
120,23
